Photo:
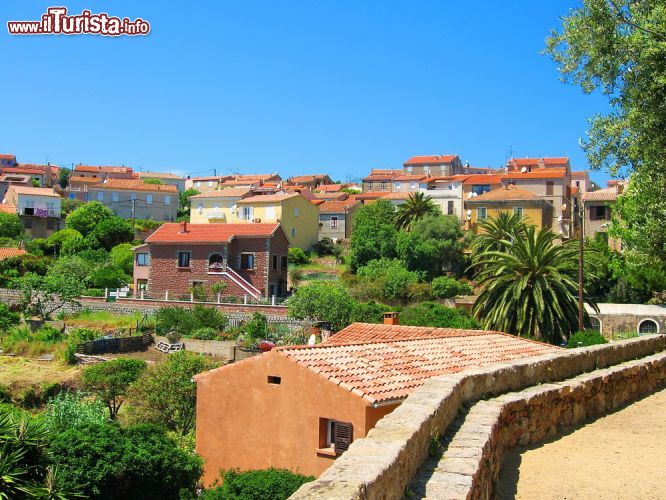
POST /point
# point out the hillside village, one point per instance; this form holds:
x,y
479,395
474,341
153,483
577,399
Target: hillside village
x,y
238,322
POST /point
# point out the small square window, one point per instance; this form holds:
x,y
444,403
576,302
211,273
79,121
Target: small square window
x,y
167,200
275,380
149,198
114,197
184,259
334,436
247,261
293,232
518,211
142,259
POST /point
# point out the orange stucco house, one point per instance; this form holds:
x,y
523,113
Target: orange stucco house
x,y
299,407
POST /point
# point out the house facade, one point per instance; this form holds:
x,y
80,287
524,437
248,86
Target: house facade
x,y
310,181
164,178
251,259
132,198
380,180
447,193
307,404
434,165
615,321
533,209
598,215
336,219
217,206
38,209
103,172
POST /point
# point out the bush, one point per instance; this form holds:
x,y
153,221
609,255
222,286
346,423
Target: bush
x,y
369,312
68,410
325,246
391,275
10,226
109,277
586,338
124,463
274,484
323,301
437,316
298,257
206,333
184,321
48,334
445,287
7,318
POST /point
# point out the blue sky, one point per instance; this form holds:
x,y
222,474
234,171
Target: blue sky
x,y
292,86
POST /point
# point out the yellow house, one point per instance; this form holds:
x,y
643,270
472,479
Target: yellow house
x,y
299,218
534,209
217,206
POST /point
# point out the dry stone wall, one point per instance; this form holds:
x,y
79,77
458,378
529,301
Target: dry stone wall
x,y
381,465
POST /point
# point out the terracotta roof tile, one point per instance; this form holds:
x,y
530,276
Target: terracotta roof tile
x,y
210,233
390,369
337,207
103,169
8,157
6,253
329,188
508,193
224,193
268,198
135,185
606,194
579,174
482,179
409,177
307,178
396,196
160,175
7,208
331,196
541,173
34,191
430,159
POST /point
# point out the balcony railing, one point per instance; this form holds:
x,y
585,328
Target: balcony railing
x,y
215,215
40,212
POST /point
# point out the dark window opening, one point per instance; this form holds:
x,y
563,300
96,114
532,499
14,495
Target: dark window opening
x,y
284,262
215,263
449,207
184,259
599,213
549,188
247,261
275,262
334,435
479,189
272,379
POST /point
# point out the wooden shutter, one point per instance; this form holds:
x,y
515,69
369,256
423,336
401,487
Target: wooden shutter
x,y
343,436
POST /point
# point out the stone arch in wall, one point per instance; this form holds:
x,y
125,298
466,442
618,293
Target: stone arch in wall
x,y
215,263
648,326
595,324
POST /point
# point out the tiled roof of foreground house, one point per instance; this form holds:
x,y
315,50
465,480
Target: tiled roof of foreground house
x,y
381,367
209,233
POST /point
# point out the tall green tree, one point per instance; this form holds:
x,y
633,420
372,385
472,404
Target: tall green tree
x,y
86,217
63,177
10,226
184,203
373,234
113,231
529,287
619,47
165,393
433,246
323,301
416,207
110,381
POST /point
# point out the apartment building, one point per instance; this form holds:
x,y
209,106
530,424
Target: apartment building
x,y
380,180
206,184
132,198
409,183
217,206
434,165
38,209
447,193
103,172
336,218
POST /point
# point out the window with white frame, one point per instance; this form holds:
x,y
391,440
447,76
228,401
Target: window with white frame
x,y
114,197
149,198
518,211
198,184
246,214
100,196
334,436
334,222
481,213
167,199
184,259
200,208
295,211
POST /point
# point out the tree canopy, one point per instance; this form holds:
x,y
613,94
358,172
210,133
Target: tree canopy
x,y
619,47
10,226
88,216
417,206
374,234
111,380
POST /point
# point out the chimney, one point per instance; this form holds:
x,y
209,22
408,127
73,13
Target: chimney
x,y
391,318
183,227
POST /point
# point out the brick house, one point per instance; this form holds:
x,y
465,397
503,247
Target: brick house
x,y
250,258
300,407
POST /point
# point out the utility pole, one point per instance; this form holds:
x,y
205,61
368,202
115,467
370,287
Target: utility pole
x,y
581,233
133,213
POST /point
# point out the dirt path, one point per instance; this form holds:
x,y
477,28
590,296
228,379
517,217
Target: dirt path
x,y
621,455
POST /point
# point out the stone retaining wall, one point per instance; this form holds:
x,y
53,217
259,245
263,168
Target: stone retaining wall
x,y
471,464
383,463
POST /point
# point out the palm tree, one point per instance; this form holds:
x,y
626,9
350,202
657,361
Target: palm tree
x,y
529,286
505,226
417,206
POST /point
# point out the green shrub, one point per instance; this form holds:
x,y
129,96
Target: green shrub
x,y
7,318
445,287
298,257
94,292
136,462
436,315
325,246
369,312
586,338
206,333
390,275
48,334
67,410
84,334
274,484
184,321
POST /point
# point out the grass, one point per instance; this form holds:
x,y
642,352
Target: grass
x,y
16,373
104,320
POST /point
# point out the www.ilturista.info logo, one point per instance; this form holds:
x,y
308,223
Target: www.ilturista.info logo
x,y
57,22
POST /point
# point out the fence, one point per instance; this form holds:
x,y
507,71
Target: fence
x,y
118,344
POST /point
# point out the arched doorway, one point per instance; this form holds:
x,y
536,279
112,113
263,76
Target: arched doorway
x,y
215,263
648,327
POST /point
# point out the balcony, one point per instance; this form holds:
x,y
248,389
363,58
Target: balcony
x,y
215,215
40,212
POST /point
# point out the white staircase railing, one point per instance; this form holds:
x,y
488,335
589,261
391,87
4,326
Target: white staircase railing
x,y
242,282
